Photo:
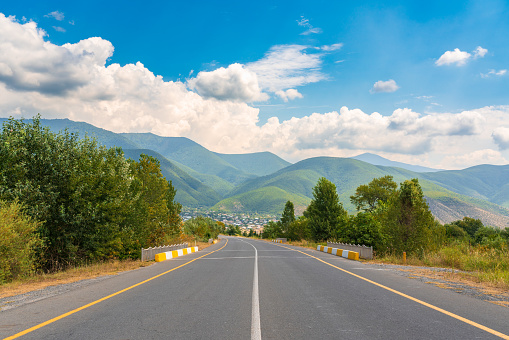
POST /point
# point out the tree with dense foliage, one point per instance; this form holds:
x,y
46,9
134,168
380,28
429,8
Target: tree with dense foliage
x,y
364,229
378,190
90,201
408,222
325,213
287,217
203,228
272,230
469,225
18,240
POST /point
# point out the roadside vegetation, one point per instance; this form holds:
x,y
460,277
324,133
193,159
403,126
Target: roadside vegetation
x,y
396,219
69,203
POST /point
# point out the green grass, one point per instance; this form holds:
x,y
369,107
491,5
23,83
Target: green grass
x,y
486,265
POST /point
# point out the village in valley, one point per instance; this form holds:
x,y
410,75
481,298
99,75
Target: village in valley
x,y
244,221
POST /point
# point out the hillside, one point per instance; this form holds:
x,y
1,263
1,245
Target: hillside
x,y
486,182
258,163
347,174
190,191
377,160
190,154
103,137
263,182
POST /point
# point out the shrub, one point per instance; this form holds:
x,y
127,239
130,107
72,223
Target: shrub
x,y
18,241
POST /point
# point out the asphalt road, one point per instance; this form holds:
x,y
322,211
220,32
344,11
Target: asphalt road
x,y
249,289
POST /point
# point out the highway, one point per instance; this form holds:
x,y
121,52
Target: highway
x,y
249,289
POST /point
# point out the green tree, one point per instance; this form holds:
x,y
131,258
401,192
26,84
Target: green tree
x,y
18,241
408,222
287,218
272,230
364,229
325,213
90,201
378,190
470,225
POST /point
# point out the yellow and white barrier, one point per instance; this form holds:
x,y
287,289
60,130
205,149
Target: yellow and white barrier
x,y
175,253
347,254
277,241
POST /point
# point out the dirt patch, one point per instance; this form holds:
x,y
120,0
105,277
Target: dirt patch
x,y
458,281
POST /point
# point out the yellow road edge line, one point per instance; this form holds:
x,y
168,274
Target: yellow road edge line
x,y
31,329
455,316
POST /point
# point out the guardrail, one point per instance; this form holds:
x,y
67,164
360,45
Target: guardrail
x,y
149,254
365,252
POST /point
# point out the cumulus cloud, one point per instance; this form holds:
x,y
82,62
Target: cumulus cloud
x,y
480,52
460,58
59,29
453,57
501,137
289,94
287,66
384,86
233,83
32,64
73,81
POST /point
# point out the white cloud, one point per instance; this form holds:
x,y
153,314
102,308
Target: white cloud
x,y
384,86
233,83
480,52
494,73
333,47
501,137
460,58
57,15
287,66
59,29
289,94
453,57
73,81
310,29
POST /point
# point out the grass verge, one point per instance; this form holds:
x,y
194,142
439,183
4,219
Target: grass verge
x,y
43,280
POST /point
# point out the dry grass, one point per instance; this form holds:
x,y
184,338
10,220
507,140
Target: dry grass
x,y
41,281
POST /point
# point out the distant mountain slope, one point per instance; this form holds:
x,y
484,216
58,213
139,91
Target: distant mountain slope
x,y
487,182
269,200
189,153
347,174
378,160
258,163
103,137
190,191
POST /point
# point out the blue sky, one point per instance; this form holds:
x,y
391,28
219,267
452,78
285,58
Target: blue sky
x,y
422,82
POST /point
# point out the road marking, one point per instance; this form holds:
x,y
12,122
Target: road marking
x,y
256,333
31,329
455,316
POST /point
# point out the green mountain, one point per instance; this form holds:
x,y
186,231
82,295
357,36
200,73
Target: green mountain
x,y
258,163
190,191
269,200
103,137
486,182
189,153
347,174
377,160
263,182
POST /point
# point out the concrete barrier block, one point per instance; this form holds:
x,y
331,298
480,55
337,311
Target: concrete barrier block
x,y
347,254
175,253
